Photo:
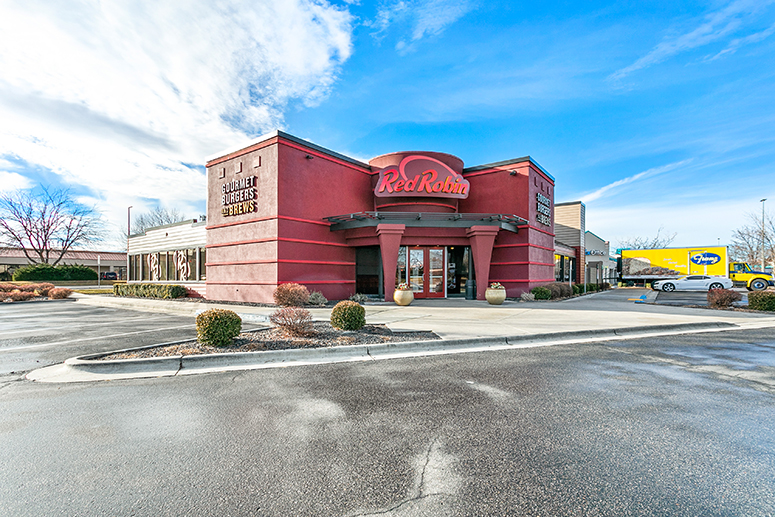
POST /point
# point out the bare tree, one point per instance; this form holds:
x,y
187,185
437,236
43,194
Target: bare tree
x,y
158,216
646,243
747,240
46,224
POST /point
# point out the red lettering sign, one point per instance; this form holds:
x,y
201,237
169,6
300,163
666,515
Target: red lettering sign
x,y
421,176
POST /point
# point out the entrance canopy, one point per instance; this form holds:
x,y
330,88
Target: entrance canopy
x,y
508,222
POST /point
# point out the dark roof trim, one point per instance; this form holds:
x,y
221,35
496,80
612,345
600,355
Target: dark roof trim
x,y
508,222
508,162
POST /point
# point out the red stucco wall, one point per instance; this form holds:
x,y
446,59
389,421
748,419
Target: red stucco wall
x,y
287,238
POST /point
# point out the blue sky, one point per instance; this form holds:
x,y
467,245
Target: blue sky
x,y
655,114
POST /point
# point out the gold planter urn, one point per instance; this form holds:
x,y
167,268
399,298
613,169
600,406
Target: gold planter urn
x,y
495,294
403,296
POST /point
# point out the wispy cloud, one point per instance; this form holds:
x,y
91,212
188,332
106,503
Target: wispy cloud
x,y
118,96
421,17
715,26
616,185
741,42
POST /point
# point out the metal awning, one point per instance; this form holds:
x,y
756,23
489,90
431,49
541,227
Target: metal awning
x,y
508,222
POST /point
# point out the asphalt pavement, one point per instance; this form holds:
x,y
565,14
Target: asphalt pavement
x,y
675,425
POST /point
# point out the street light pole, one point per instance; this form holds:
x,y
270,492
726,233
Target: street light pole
x,y
128,230
762,202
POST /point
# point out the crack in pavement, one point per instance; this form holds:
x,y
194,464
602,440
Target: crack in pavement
x,y
432,473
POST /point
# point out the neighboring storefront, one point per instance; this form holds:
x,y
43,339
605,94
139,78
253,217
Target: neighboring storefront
x,y
600,266
564,263
285,210
100,261
174,252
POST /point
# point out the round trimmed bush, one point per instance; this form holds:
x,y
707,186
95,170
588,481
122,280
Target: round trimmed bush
x,y
541,293
348,315
217,327
59,293
290,295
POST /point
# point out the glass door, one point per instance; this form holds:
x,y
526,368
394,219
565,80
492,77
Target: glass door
x,y
436,273
417,270
426,272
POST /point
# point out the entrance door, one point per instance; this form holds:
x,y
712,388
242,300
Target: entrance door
x,y
426,272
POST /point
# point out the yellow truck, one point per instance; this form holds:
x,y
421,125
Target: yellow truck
x,y
660,264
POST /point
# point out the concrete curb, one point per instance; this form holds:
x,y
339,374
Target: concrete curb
x,y
87,368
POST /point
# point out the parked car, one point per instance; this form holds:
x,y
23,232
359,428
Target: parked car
x,y
693,283
109,275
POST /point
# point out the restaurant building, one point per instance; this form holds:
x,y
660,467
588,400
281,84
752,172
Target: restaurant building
x,y
282,209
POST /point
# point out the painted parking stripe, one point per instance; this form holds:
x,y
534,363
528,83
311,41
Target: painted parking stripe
x,y
41,345
42,329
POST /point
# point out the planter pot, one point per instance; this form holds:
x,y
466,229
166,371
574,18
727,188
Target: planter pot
x,y
495,296
403,297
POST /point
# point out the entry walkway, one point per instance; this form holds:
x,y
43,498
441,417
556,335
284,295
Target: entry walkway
x,y
456,318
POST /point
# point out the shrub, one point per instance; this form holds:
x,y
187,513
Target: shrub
x,y
348,315
19,296
317,298
576,289
527,297
217,327
359,298
721,298
761,300
59,293
290,295
150,290
48,272
294,321
541,293
605,286
555,289
5,276
566,290
7,287
42,289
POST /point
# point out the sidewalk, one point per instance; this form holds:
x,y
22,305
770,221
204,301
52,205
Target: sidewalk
x,y
456,318
464,325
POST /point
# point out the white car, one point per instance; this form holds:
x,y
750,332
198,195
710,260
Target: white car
x,y
692,283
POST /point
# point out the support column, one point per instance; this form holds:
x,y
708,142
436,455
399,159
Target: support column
x,y
389,243
482,239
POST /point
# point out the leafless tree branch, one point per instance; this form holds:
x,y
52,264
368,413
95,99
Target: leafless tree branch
x,y
46,224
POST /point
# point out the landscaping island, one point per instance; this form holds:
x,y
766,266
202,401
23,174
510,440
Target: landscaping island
x,y
324,335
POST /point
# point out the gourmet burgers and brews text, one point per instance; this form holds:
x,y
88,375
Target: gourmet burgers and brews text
x,y
421,176
238,196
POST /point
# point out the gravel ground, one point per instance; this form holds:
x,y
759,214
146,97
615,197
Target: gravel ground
x,y
275,339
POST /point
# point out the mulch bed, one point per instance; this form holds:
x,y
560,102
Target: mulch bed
x,y
275,339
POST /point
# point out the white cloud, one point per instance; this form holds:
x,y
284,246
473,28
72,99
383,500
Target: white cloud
x,y
615,186
714,27
10,181
118,96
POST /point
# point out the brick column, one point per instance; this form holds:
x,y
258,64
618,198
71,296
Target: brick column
x,y
389,243
482,239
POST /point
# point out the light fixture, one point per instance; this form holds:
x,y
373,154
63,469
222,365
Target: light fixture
x,y
513,173
308,157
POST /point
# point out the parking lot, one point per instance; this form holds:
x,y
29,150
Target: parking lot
x,y
39,334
